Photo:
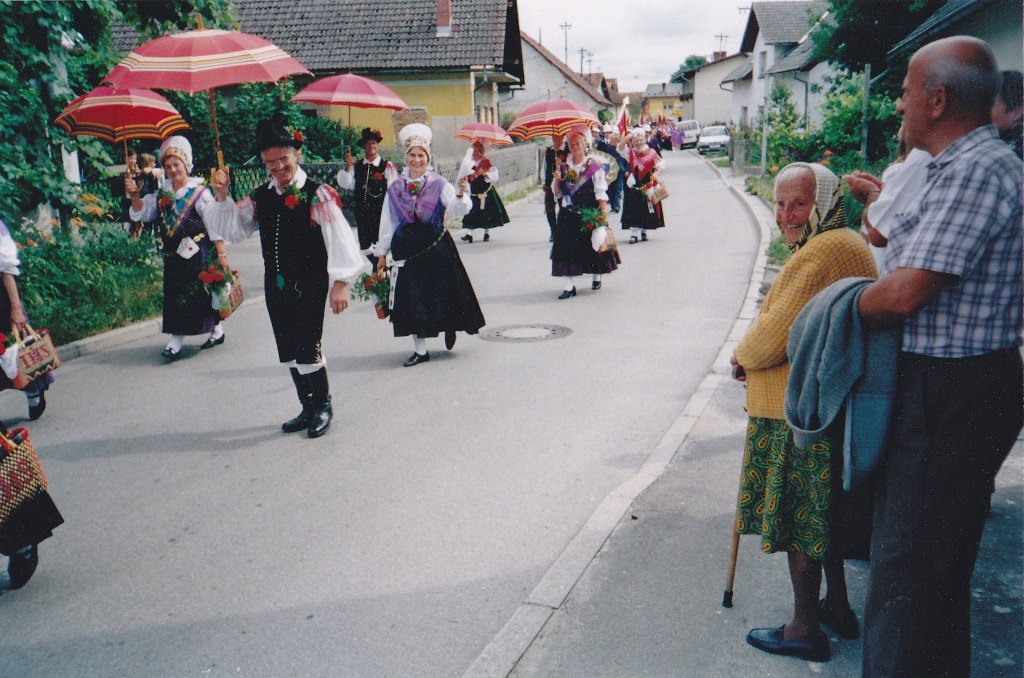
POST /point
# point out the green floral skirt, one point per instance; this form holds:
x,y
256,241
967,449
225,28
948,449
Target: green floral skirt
x,y
785,492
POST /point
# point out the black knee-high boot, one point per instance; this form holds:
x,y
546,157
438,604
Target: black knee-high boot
x,y
321,415
304,390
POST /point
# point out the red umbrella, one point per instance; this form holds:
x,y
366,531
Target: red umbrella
x,y
115,114
552,118
350,90
204,59
484,130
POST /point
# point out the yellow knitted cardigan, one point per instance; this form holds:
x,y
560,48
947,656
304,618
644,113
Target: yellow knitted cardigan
x,y
822,260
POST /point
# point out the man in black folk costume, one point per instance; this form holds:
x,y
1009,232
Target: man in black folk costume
x,y
368,179
309,255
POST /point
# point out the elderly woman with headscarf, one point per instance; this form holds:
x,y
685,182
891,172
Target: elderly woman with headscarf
x,y
187,245
789,495
430,290
639,214
581,188
488,210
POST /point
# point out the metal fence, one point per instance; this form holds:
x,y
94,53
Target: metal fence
x,y
519,165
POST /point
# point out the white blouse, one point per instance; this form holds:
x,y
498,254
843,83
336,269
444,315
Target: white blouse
x,y
347,178
149,210
599,179
454,206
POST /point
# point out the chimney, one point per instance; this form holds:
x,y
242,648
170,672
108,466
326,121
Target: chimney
x,y
717,55
443,13
662,87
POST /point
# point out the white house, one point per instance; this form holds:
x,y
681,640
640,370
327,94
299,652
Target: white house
x,y
999,25
774,30
712,102
549,79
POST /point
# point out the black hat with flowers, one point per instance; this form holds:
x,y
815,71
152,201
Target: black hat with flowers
x,y
370,135
273,133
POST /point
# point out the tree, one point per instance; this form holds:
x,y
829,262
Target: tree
x,y
691,62
51,52
863,31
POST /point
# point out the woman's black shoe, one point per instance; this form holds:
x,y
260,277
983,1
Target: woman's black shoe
x,y
596,285
211,342
468,238
643,236
320,420
771,641
22,565
449,340
170,355
35,410
632,240
487,236
416,359
567,293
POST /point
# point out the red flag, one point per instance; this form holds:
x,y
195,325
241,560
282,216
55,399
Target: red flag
x,y
623,123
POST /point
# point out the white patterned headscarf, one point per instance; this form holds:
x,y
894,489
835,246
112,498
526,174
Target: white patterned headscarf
x,y
177,147
827,198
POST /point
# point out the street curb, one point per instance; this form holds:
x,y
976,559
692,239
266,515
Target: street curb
x,y
122,335
500,657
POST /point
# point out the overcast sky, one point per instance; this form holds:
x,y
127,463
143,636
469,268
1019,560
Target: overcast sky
x,y
639,42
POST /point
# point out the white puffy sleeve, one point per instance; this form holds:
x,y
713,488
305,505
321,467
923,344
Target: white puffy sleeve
x,y
148,211
346,179
344,260
230,221
8,253
454,206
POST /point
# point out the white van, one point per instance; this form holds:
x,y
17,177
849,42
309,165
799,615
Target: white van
x,y
691,132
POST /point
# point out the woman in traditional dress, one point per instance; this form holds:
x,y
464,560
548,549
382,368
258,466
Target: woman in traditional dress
x,y
13,318
790,495
431,292
368,179
639,214
188,247
488,211
580,183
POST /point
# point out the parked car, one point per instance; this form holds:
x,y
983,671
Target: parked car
x,y
691,132
713,138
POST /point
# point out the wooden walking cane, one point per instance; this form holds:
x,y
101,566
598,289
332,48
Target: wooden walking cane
x,y
734,549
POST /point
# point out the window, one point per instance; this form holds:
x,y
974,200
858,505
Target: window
x,y
762,63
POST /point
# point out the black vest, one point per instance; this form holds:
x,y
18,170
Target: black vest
x,y
292,243
368,190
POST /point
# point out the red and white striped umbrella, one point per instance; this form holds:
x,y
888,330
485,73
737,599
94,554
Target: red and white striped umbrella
x,y
550,118
204,59
495,134
117,114
349,89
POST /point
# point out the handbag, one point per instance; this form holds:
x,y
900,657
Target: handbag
x,y
658,193
36,353
609,244
235,297
21,474
27,513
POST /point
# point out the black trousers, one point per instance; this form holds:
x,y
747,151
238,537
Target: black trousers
x,y
955,423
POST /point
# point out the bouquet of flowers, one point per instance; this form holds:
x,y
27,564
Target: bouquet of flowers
x,y
217,279
375,288
592,218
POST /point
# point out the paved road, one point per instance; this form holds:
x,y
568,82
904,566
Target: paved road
x,y
201,541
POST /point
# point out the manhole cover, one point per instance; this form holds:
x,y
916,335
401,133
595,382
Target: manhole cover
x,y
525,333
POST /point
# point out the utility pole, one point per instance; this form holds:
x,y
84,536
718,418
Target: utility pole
x,y
721,42
565,30
582,52
590,62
